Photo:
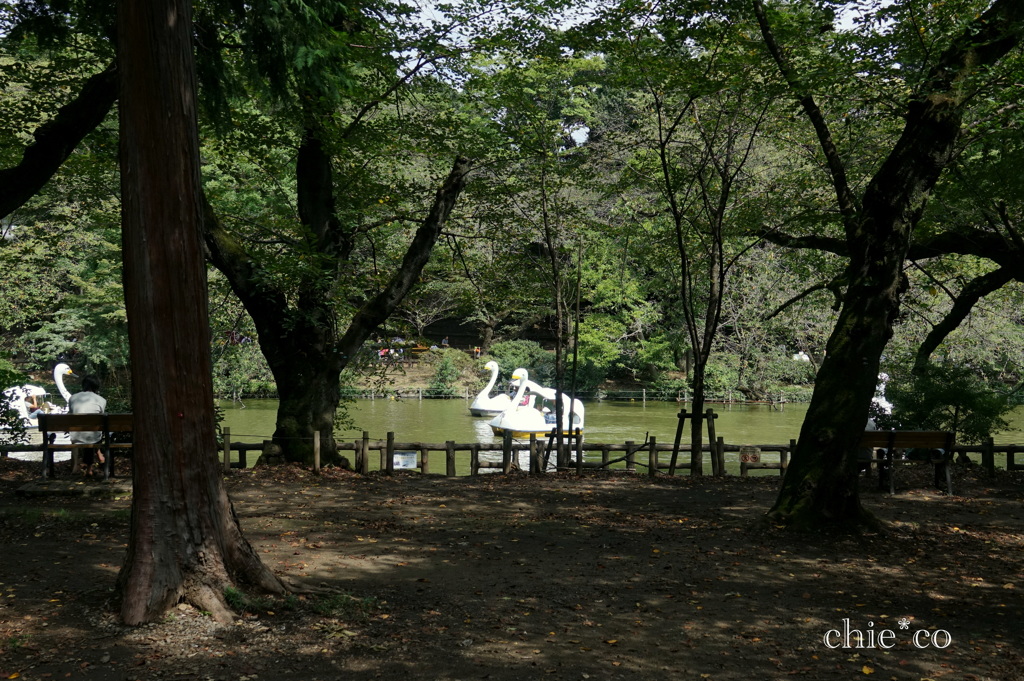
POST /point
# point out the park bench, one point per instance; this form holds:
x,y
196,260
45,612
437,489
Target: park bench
x,y
938,445
105,424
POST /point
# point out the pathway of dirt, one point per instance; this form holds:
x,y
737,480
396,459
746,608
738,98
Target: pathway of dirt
x,y
502,578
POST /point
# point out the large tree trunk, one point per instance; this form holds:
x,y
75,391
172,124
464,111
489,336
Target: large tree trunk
x,y
486,337
185,541
307,375
820,487
306,407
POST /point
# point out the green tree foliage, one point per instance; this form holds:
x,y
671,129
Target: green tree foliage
x,y
534,197
12,426
62,297
694,128
511,355
947,397
765,327
446,376
605,210
239,367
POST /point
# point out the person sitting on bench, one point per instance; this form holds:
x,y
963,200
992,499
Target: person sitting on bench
x,y
88,401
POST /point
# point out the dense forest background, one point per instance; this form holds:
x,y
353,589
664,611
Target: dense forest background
x,y
646,205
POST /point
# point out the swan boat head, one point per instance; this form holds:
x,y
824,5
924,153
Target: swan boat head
x,y
485,404
59,372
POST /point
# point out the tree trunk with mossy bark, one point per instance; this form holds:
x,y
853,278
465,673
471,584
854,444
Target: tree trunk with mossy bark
x,y
307,371
300,338
186,543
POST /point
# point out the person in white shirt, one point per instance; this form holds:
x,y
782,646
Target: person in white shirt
x,y
88,401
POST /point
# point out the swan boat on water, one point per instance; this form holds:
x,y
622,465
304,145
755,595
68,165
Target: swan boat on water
x,y
524,419
17,395
486,404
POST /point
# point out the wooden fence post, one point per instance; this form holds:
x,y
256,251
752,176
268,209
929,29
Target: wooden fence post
x,y
535,465
988,457
357,455
389,462
630,455
579,451
449,458
474,459
652,459
506,452
1011,458
226,432
679,438
424,460
316,451
560,462
720,453
711,416
364,462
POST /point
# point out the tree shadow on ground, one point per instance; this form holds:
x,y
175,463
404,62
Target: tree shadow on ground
x,y
608,577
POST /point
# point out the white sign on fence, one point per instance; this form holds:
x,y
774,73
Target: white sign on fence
x,y
750,454
405,460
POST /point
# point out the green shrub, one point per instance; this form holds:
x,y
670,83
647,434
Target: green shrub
x,y
511,355
945,397
13,428
446,377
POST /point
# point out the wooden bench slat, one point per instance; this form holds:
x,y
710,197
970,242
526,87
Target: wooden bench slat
x,y
907,438
70,422
102,423
120,423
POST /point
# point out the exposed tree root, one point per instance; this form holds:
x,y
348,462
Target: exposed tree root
x,y
208,599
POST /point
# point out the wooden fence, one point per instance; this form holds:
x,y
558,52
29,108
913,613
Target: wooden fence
x,y
650,454
654,456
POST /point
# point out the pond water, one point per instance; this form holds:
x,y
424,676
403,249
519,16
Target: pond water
x,y
435,421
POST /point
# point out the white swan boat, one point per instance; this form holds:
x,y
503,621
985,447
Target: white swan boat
x,y
486,404
16,397
523,418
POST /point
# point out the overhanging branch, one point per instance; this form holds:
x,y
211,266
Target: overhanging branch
x,y
56,139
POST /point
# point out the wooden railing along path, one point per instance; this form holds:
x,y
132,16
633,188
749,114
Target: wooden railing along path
x,y
650,454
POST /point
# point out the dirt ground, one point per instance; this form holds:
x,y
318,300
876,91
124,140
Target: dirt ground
x,y
606,577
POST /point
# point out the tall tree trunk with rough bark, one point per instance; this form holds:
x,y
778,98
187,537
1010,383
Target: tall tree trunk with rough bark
x,y
185,543
820,487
